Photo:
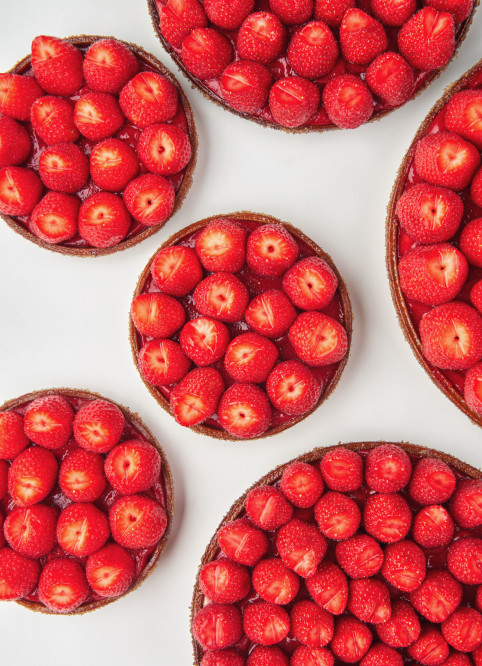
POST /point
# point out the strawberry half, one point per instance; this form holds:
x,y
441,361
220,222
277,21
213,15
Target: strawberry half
x,y
274,582
64,167
17,94
176,270
351,639
265,623
137,521
430,214
293,100
63,585
301,547
30,531
221,246
471,242
302,484
163,362
260,38
20,190
362,37
463,115
244,411
313,50
32,476
242,542
329,587
204,340
268,508
196,397
82,529
150,199
245,85
109,65
224,581
81,475
293,388
271,250
347,101
250,357
391,78
217,626
98,426
438,596
48,421
206,53
15,142
113,164
57,65
103,219
447,160
310,284
404,565
13,439
427,39
318,339
110,571
132,466
164,149
54,218
270,313
221,296
149,98
342,469
157,315
53,120
18,574
98,115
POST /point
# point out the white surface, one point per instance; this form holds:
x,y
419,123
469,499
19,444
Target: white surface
x,y
64,323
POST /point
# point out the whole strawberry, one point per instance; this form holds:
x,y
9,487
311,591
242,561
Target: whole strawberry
x,y
221,246
150,199
17,94
293,101
206,53
18,574
54,218
137,521
447,160
32,476
347,101
313,50
132,466
48,421
113,164
197,395
245,85
98,426
176,270
108,65
103,219
391,78
362,37
20,190
53,120
63,585
427,39
244,411
292,11
261,38
64,167
110,571
149,98
13,439
57,65
177,18
98,115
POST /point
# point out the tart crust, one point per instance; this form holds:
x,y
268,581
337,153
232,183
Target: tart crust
x,y
219,433
167,481
391,236
148,59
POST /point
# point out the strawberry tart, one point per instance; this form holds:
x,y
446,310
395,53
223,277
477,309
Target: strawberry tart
x,y
366,553
97,145
434,244
240,326
86,501
311,65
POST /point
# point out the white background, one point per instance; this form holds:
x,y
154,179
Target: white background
x,y
64,322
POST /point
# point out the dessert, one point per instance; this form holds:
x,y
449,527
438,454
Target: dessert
x,y
86,501
284,582
240,326
434,244
97,145
311,65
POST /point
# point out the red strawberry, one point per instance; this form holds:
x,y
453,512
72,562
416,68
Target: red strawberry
x,y
471,242
463,629
432,482
176,270
149,98
63,585
82,529
293,100
17,94
351,640
360,556
292,11
242,542
362,37
48,421
430,647
206,53
164,149
301,547
403,627
132,466
260,38
337,515
57,65
177,18
224,582
438,596
271,250
217,626
393,12
369,600
387,468
331,12
463,113
64,167
108,66
268,508
464,560
313,50
53,120
430,214
250,357
163,362
222,658
262,655
32,476
302,484
54,218
103,219
18,574
427,39
228,14
318,339
460,9
149,199
270,313
244,411
30,531
204,340
110,571
476,295
387,517
305,656
221,246
15,142
347,101
245,85
446,159
473,387
197,396
404,565
113,164
265,623
391,78
221,296
20,190
342,469
381,655
451,336
137,521
466,504
13,439
81,475
4,478
98,115
310,283
329,587
293,388
310,624
433,527
98,426
476,188
274,582
157,315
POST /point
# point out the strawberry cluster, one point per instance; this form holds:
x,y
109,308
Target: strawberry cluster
x,y
82,502
236,299
311,62
93,143
372,558
440,243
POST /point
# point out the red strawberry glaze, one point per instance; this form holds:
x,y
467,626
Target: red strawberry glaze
x,y
161,491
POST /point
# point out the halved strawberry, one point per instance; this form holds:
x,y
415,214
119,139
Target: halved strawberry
x,y
463,115
473,386
245,85
313,50
292,11
48,421
267,507
387,468
228,14
337,515
404,565
217,626
98,115
362,37
463,629
103,219
393,12
132,466
13,439
98,426
260,38
306,656
471,241
17,94
466,504
433,527
113,164
274,582
271,250
221,296
137,521
430,647
387,517
204,340
197,395
31,530
54,218
391,78
20,190
150,199
81,475
438,596
64,167
177,18
164,149
149,98
293,100
221,246
242,542
224,581
265,623
427,39
301,547
445,159
163,362
57,65
32,476
293,388
310,283
157,315
249,357
110,571
53,120
360,556
347,101
302,484
329,587
82,529
464,560
206,53
318,339
270,313
351,640
18,574
342,469
15,144
244,411
369,600
176,270
108,66
63,585
403,627
432,482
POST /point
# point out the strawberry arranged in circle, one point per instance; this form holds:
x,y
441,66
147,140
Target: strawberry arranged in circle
x,y
63,585
20,190
103,219
110,571
32,476
157,315
54,218
98,426
132,466
137,521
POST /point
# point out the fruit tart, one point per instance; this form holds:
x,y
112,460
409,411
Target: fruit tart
x,y
97,145
311,65
240,326
434,244
367,553
86,501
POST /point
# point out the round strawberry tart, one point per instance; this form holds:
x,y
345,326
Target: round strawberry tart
x,y
434,244
240,326
311,65
367,553
97,145
86,501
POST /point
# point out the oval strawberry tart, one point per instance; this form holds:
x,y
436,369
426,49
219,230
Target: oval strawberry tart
x,y
311,65
367,553
240,326
97,145
434,244
86,501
